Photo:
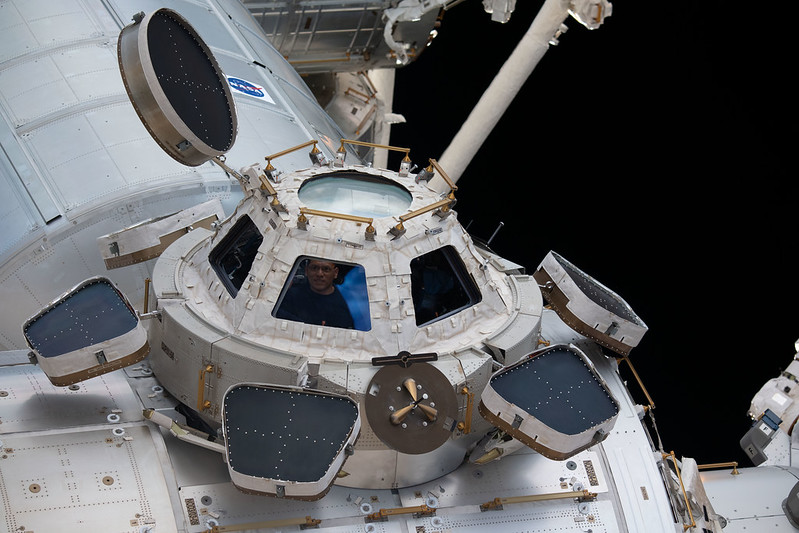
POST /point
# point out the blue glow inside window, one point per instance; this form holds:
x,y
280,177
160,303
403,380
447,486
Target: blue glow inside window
x,y
326,293
352,193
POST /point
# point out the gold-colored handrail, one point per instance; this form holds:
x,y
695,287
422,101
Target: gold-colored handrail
x,y
366,119
265,185
302,219
269,158
373,145
440,204
685,527
399,229
383,514
202,403
342,216
270,169
640,383
444,175
146,296
729,464
364,97
496,503
466,424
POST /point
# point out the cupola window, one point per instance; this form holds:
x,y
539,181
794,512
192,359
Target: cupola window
x,y
354,193
325,293
233,256
441,286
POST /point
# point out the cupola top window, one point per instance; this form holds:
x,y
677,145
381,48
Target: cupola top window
x,y
354,193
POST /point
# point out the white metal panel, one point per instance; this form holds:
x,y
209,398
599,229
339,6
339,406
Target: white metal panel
x,y
262,128
97,480
549,517
29,25
32,403
87,167
81,455
456,498
17,214
39,85
750,500
640,491
80,169
129,147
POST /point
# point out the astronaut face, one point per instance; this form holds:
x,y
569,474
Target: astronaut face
x,y
320,276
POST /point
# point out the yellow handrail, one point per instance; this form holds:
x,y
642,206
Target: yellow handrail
x,y
269,158
383,514
373,145
443,175
640,383
330,214
146,295
709,466
203,404
302,219
466,425
270,169
684,494
496,503
440,204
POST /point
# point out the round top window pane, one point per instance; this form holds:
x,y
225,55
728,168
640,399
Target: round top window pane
x,y
351,193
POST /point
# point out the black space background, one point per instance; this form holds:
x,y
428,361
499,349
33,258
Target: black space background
x,y
656,153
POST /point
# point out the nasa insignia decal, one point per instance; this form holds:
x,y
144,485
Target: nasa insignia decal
x,y
250,89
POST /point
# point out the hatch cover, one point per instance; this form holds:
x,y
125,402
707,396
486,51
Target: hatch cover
x,y
177,87
552,401
287,441
89,331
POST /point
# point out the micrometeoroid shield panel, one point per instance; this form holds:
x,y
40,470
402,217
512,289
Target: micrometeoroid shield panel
x,y
558,389
89,331
587,306
286,441
96,313
552,401
177,87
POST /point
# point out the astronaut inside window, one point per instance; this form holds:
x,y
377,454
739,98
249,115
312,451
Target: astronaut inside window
x,y
325,293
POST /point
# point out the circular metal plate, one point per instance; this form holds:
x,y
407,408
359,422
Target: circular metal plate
x,y
177,87
408,425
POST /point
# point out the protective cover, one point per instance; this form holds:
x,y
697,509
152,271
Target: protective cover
x,y
177,87
287,442
552,401
89,331
587,306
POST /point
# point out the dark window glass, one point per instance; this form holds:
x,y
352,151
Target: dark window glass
x,y
233,256
326,293
441,285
